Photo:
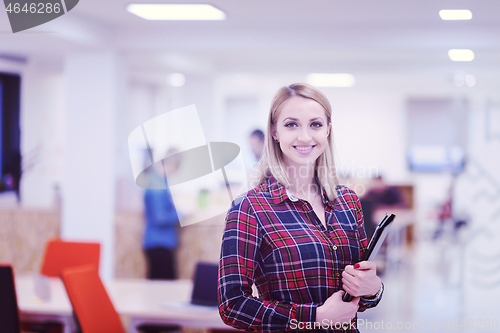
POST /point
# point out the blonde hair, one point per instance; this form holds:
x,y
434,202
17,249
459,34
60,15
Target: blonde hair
x,y
272,163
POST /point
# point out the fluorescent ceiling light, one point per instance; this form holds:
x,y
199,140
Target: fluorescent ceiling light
x,y
455,14
461,54
176,12
330,79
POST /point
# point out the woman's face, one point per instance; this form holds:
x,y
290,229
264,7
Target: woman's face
x,y
302,131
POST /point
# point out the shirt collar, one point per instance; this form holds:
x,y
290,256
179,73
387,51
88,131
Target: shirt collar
x,y
279,192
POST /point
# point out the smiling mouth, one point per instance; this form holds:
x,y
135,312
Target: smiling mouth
x,y
304,148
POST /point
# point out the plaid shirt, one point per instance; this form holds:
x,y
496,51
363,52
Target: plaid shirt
x,y
277,242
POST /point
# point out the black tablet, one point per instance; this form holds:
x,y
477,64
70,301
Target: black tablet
x,y
375,243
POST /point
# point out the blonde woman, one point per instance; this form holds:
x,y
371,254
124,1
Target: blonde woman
x,y
298,235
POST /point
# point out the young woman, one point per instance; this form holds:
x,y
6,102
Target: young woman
x,y
298,235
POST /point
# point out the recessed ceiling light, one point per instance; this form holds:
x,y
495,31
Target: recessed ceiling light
x,y
455,14
331,79
176,12
461,54
176,79
470,80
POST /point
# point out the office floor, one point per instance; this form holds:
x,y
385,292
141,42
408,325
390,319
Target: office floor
x,y
428,293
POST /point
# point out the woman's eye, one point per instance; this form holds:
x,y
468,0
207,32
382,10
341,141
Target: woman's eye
x,y
291,125
316,124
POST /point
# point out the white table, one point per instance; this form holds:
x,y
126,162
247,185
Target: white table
x,y
138,301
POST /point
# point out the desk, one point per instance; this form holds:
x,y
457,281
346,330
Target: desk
x,y
138,301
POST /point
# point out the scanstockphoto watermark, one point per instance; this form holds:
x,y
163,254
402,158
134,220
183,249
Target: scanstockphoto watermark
x,y
359,323
323,325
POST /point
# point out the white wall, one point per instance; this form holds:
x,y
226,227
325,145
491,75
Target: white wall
x,y
42,132
95,97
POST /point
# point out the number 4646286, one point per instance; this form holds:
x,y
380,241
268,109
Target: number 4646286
x,y
34,8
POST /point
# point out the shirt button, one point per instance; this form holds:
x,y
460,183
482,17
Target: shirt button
x,y
335,247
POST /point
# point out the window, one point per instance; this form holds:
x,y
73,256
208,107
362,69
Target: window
x,y
10,134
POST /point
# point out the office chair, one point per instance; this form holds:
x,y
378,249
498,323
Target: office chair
x,y
94,311
91,303
58,255
61,254
9,312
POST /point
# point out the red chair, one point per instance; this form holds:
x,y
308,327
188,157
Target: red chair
x,y
93,307
61,254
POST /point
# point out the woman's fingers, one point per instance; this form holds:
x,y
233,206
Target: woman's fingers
x,y
349,269
350,287
365,265
355,300
348,279
360,279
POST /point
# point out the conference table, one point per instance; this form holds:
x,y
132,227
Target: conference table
x,y
138,301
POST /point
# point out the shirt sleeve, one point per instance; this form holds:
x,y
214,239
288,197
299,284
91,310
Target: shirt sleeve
x,y
370,302
364,302
238,264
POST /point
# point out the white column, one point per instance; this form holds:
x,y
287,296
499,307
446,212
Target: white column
x,y
95,92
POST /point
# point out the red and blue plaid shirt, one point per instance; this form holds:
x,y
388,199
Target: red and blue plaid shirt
x,y
278,243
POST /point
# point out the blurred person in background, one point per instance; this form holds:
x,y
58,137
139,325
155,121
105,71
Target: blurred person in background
x,y
446,216
162,223
257,144
379,195
256,141
299,235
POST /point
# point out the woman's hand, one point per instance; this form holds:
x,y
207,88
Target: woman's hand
x,y
335,310
361,279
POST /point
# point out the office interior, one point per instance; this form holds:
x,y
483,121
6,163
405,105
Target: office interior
x,y
428,125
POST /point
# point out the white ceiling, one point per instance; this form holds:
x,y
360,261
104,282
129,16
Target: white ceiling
x,y
369,36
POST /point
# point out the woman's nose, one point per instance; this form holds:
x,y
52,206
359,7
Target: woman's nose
x,y
304,135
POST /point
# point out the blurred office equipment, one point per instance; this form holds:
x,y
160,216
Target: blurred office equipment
x,y
205,284
398,200
379,194
204,296
437,139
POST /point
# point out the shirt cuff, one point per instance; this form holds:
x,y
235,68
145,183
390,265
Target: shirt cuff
x,y
377,296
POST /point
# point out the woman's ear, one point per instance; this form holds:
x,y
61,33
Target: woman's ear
x,y
273,132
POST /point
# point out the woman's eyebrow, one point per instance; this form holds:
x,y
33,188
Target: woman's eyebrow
x,y
295,119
